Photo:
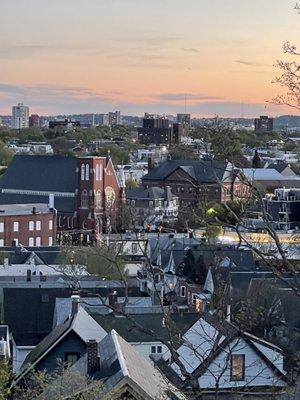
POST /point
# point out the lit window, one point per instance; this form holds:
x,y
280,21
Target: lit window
x,y
182,291
16,226
50,241
50,225
31,242
31,225
38,225
87,172
237,367
82,172
38,241
1,226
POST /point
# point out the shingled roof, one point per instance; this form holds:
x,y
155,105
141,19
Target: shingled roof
x,y
41,173
201,171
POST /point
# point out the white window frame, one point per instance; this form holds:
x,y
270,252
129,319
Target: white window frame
x,y
1,242
38,241
38,225
87,172
50,241
31,225
82,172
31,242
16,226
50,225
1,227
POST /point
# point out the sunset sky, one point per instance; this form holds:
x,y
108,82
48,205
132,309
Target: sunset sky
x,y
70,56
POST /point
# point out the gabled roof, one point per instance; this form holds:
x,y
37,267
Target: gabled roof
x,y
81,323
141,193
133,370
201,171
280,167
209,337
41,173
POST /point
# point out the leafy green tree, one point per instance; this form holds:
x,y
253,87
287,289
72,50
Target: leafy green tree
x,y
182,152
118,154
6,155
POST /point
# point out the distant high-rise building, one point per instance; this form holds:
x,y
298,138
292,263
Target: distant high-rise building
x,y
103,120
263,124
20,117
114,118
185,121
34,120
157,130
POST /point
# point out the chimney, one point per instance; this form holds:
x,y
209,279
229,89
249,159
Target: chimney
x,y
113,299
51,201
150,163
92,356
33,210
75,304
168,194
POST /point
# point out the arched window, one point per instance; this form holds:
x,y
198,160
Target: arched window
x,y
97,172
98,199
100,172
82,171
84,199
87,172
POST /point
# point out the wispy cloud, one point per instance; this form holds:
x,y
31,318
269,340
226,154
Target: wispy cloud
x,y
191,97
190,50
251,63
25,51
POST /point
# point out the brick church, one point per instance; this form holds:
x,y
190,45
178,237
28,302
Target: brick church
x,y
86,192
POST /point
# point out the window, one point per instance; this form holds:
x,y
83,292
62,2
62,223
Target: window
x,y
97,172
100,172
38,225
87,172
82,172
153,349
237,367
182,291
50,241
1,242
16,226
50,225
98,199
194,297
159,349
71,358
1,226
134,248
38,241
16,242
31,225
31,242
156,349
84,199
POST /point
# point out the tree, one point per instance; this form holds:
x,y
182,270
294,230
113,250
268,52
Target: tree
x,y
182,152
6,155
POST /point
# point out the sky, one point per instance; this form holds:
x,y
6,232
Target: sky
x,y
81,56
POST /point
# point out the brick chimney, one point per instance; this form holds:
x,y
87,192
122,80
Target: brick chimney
x,y
75,304
92,356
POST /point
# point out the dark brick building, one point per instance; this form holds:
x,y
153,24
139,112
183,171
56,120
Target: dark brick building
x,y
86,191
193,181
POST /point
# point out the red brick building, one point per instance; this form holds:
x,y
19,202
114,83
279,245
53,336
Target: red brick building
x,y
194,181
86,192
27,224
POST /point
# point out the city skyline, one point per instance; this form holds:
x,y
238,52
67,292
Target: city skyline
x,y
138,56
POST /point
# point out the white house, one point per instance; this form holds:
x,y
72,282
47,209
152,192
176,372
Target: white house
x,y
220,356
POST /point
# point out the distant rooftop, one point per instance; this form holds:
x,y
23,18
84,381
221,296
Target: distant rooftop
x,y
24,209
